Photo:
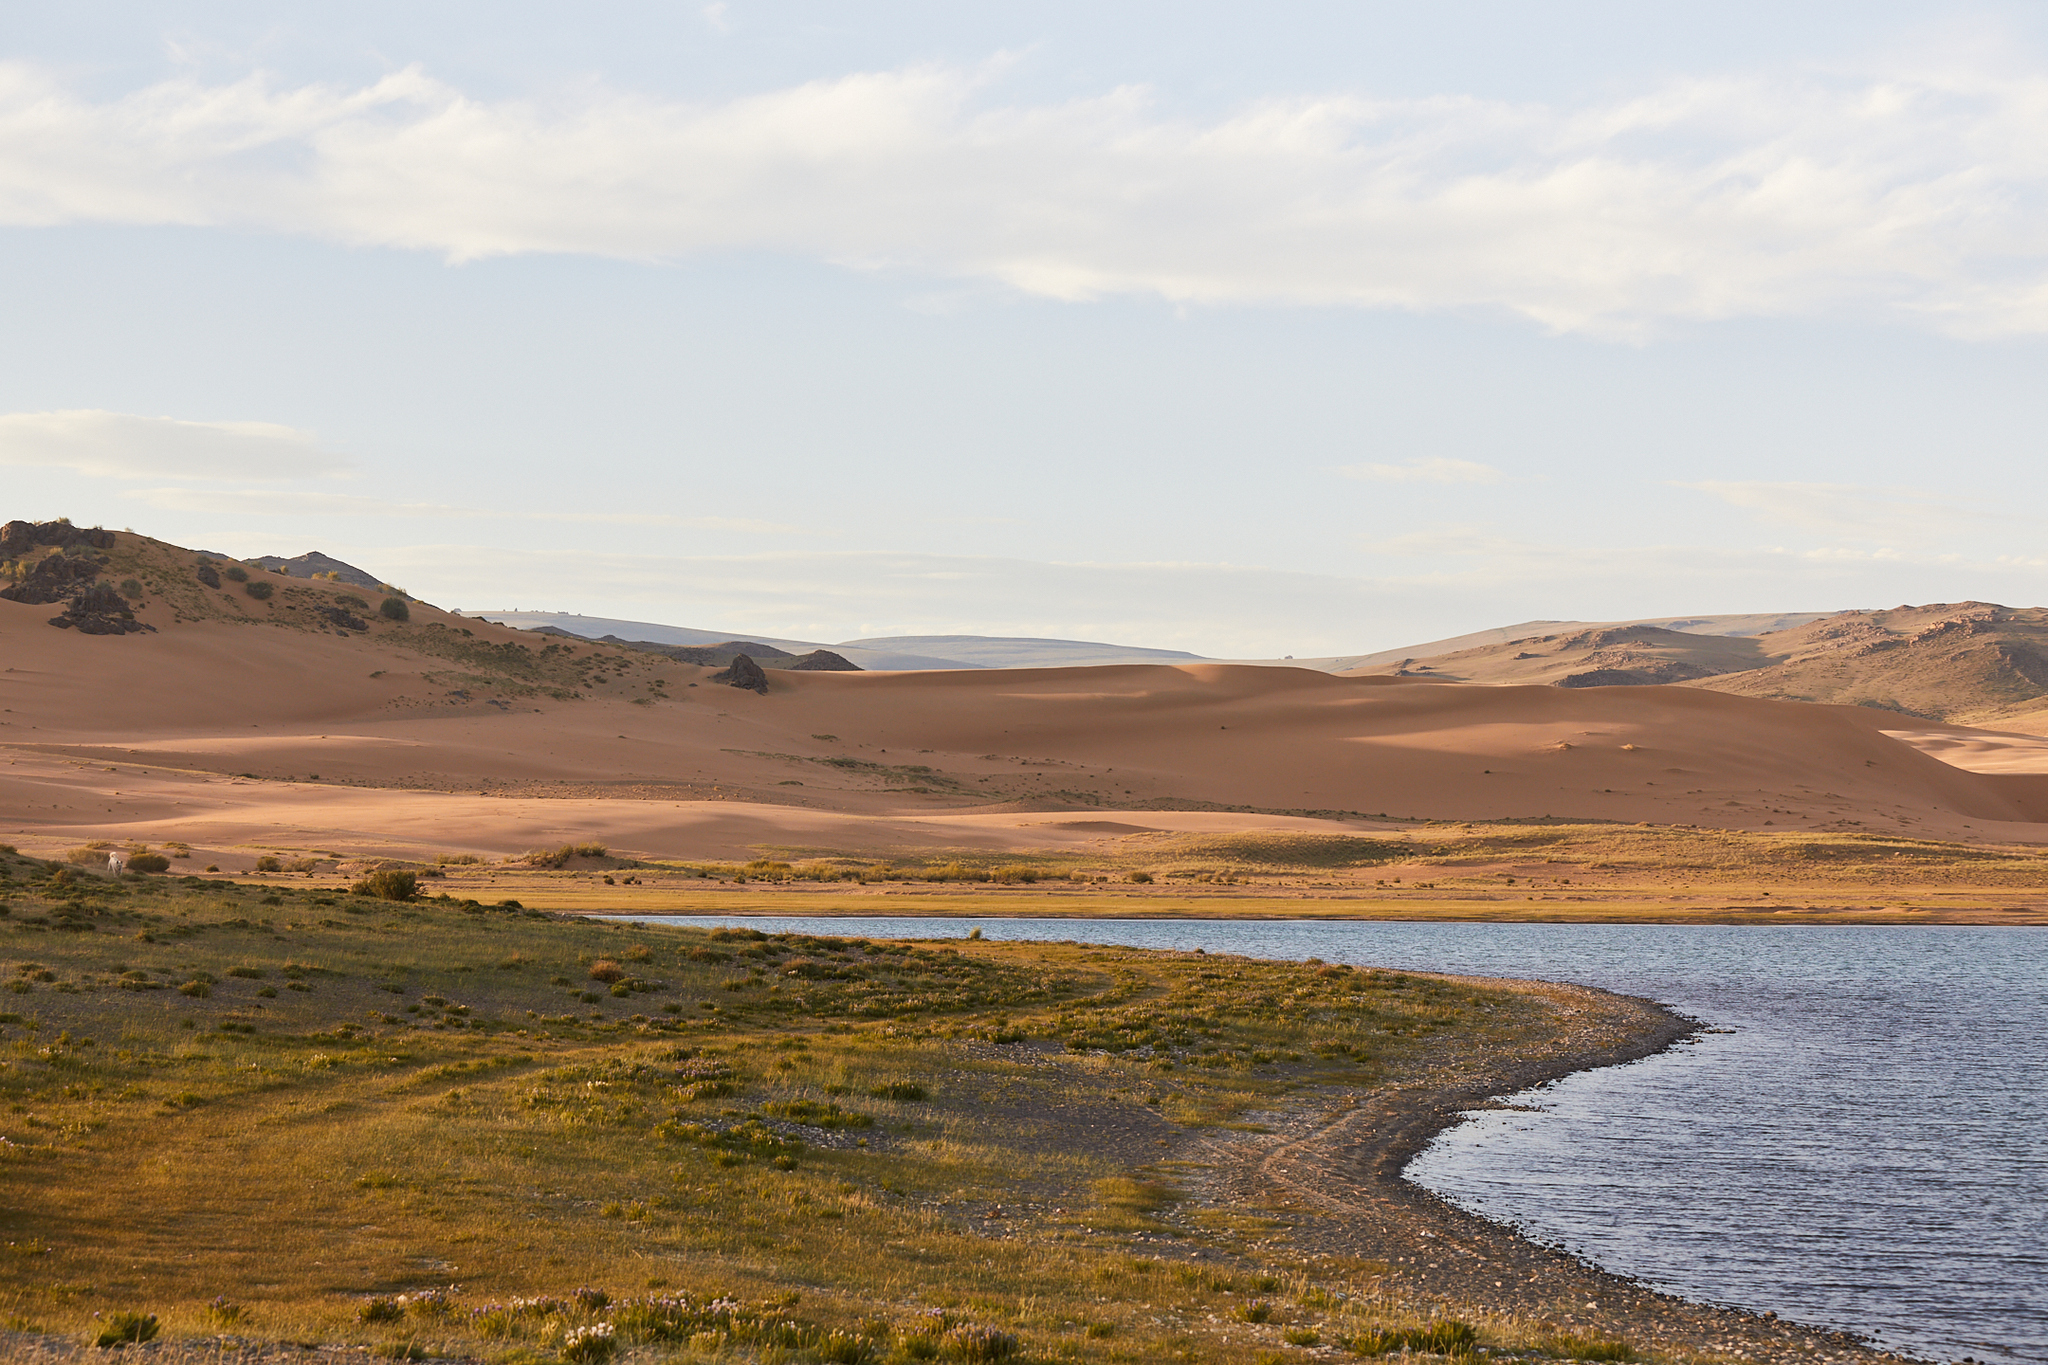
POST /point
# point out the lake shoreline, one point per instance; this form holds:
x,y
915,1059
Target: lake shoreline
x,y
1351,1164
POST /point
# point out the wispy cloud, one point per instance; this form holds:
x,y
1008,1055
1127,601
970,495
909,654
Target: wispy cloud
x,y
1905,516
286,502
1434,469
122,445
1912,194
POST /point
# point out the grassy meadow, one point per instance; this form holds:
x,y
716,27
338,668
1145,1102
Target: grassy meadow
x,y
442,1127
1495,871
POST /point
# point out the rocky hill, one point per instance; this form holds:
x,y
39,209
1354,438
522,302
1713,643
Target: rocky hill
x,y
1973,663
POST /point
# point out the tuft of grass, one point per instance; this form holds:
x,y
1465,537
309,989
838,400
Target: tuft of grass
x,y
126,1329
1570,1347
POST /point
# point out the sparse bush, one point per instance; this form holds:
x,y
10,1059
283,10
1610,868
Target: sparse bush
x,y
130,588
381,1310
901,1090
198,990
149,862
123,1329
975,1343
1588,1348
588,1345
1447,1338
394,609
235,573
1141,878
267,863
261,589
249,973
1301,1336
223,1313
607,971
388,884
559,857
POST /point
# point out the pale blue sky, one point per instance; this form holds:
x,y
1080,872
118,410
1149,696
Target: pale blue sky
x,y
1242,329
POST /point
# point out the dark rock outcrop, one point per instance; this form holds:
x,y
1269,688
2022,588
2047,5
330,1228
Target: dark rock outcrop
x,y
97,609
17,538
823,661
1649,673
743,672
340,618
53,577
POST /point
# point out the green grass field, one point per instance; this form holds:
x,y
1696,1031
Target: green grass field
x,y
450,1128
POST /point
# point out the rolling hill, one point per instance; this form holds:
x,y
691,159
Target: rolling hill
x,y
1974,663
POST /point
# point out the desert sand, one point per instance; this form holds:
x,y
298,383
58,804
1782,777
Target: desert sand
x,y
234,728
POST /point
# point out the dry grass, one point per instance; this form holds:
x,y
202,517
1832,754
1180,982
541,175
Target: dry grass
x,y
358,1104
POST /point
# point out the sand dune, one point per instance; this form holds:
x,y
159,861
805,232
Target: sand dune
x,y
232,727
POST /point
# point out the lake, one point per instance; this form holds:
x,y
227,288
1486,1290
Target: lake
x,y
1868,1149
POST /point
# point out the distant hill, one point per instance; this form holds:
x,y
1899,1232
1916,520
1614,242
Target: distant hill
x,y
313,564
722,654
599,627
906,652
1974,663
994,651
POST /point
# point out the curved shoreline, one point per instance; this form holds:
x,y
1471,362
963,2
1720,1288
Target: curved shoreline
x,y
1348,1163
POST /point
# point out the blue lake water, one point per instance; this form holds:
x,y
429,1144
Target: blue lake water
x,y
1868,1149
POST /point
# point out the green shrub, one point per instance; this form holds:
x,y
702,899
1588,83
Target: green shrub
x,y
130,588
124,1328
198,990
1447,1338
1588,1348
268,864
588,1345
826,1115
149,862
1141,878
235,573
261,589
981,1344
901,1090
559,857
388,884
1260,1311
394,609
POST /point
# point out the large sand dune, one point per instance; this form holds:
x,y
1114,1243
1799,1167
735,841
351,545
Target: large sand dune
x,y
231,726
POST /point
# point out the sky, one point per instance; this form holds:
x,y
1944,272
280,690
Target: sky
x,y
1289,328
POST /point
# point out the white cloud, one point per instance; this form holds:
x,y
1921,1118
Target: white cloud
x,y
120,445
286,502
1914,194
1905,516
1435,469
